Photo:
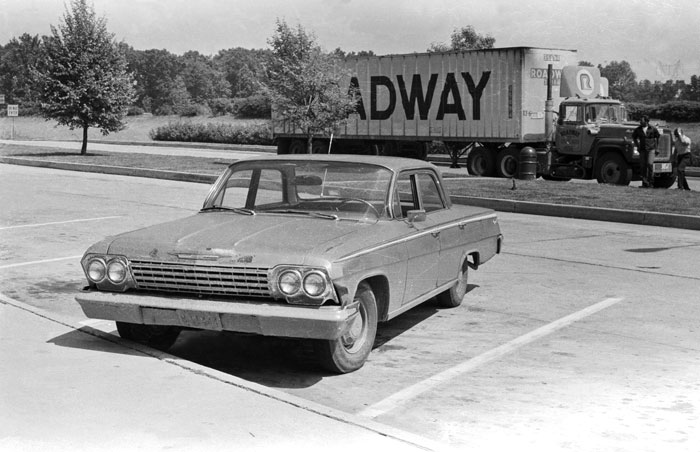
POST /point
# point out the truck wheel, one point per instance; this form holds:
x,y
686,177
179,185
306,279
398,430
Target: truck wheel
x,y
613,169
350,351
507,162
452,297
664,180
319,147
481,162
161,337
297,147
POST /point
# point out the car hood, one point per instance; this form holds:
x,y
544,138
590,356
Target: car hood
x,y
225,237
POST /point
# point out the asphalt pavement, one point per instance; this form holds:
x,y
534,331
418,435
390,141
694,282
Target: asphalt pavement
x,y
58,394
237,152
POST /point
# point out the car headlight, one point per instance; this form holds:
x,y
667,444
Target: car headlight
x,y
116,271
289,282
96,270
314,284
108,272
302,285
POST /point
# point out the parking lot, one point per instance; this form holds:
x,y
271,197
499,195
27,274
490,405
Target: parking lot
x,y
581,335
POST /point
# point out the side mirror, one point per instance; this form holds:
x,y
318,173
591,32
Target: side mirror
x,y
416,216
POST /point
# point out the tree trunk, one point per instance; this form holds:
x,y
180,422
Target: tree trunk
x,y
309,144
83,150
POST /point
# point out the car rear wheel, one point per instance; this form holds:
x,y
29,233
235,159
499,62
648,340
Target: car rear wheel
x,y
452,297
350,351
161,337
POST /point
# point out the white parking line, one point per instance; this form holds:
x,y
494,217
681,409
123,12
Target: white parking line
x,y
411,392
58,222
45,261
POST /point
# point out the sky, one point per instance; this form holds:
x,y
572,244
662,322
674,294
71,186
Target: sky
x,y
659,38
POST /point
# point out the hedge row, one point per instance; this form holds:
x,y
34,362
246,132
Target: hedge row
x,y
677,111
213,133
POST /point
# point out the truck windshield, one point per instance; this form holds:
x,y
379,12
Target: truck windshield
x,y
606,113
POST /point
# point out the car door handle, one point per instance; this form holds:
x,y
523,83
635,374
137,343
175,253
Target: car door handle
x,y
435,234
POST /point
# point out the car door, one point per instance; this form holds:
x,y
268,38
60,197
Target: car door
x,y
422,243
444,225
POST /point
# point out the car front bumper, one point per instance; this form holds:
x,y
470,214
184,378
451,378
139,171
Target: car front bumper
x,y
265,318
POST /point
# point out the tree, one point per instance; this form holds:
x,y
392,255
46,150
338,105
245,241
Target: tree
x,y
465,38
84,76
18,60
308,88
621,79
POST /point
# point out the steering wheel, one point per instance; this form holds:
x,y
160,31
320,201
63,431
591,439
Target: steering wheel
x,y
344,201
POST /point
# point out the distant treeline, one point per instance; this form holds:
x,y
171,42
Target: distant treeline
x,y
230,82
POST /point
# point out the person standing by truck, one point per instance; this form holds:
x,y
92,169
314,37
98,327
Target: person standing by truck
x,y
682,144
646,138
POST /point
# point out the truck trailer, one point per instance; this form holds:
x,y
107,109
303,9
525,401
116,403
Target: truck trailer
x,y
490,105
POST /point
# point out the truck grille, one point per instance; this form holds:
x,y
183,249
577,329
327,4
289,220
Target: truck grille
x,y
200,279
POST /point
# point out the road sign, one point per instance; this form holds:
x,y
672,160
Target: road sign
x,y
2,99
12,110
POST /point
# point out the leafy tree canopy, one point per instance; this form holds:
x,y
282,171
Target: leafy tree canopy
x,y
84,76
465,38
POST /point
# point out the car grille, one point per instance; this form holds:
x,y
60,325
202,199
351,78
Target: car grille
x,y
200,279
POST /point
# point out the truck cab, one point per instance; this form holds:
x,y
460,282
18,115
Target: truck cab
x,y
592,139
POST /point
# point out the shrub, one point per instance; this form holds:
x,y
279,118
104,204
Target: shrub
x,y
677,111
221,106
190,110
213,133
255,106
135,111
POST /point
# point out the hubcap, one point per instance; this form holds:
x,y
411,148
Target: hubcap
x,y
354,337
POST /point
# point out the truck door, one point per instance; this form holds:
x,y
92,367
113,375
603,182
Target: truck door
x,y
571,128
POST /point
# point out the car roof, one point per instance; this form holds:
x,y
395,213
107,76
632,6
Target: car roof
x,y
393,163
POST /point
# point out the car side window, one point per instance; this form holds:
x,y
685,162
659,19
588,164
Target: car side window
x,y
429,193
405,196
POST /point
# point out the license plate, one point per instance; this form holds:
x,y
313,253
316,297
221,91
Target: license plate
x,y
201,320
662,168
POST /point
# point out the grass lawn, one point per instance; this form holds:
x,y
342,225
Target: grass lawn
x,y
580,193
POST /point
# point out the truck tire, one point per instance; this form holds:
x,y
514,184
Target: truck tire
x,y
507,162
297,147
481,162
664,180
319,147
611,168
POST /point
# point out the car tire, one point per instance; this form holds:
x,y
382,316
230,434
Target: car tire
x,y
507,163
664,180
350,351
161,337
452,297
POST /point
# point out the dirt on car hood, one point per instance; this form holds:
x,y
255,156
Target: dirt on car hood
x,y
225,237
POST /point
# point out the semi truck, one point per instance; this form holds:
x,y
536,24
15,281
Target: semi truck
x,y
489,104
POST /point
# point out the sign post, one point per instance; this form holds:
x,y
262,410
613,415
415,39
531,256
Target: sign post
x,y
12,112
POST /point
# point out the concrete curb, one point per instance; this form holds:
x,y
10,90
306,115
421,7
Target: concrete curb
x,y
502,205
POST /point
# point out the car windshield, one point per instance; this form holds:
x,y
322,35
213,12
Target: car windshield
x,y
323,189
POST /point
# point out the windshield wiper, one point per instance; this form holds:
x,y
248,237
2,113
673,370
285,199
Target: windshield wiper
x,y
327,216
240,210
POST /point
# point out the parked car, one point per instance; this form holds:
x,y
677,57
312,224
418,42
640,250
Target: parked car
x,y
308,246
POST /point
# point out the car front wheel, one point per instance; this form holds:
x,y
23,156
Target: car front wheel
x,y
350,351
157,336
